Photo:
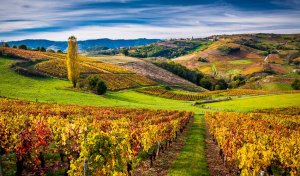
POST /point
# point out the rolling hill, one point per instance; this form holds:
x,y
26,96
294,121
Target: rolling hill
x,y
35,63
84,44
148,69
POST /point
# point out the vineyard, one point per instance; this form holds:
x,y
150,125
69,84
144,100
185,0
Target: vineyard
x,y
100,141
257,143
161,92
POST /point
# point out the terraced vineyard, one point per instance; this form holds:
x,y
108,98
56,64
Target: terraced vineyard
x,y
32,131
147,69
264,143
191,96
161,92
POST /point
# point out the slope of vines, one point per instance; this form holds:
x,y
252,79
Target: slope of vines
x,y
54,64
258,142
100,141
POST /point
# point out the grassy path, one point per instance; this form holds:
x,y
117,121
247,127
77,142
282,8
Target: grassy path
x,y
191,160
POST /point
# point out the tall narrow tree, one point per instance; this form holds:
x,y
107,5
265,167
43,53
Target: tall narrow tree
x,y
73,60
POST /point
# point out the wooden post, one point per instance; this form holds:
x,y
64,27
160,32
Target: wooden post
x,y
85,167
1,169
157,151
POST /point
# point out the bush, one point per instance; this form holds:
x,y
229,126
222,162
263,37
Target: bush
x,y
296,84
168,88
97,85
92,82
59,51
202,59
101,88
15,46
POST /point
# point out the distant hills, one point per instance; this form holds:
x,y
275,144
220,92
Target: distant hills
x,y
84,44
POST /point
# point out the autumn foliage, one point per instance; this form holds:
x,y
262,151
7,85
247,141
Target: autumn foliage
x,y
73,60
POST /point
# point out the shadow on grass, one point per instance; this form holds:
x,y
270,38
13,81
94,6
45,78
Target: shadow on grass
x,y
191,161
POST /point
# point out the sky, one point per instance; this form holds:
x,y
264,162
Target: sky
x,y
131,19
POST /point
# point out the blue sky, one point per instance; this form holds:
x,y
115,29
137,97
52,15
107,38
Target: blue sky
x,y
127,19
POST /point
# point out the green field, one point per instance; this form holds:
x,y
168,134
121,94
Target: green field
x,y
240,62
262,102
52,90
275,86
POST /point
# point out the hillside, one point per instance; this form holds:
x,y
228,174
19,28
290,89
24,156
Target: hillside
x,y
257,56
170,48
147,69
35,63
249,56
84,44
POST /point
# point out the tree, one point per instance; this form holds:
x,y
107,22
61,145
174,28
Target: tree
x,y
59,51
73,60
22,46
101,88
296,84
6,44
204,82
15,46
125,52
42,49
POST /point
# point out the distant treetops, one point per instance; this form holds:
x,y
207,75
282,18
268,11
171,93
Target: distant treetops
x,y
73,60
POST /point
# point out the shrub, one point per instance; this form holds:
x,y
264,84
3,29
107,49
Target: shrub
x,y
101,88
15,46
92,82
202,59
168,88
59,51
296,84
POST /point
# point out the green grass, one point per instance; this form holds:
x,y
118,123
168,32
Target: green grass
x,y
240,62
52,90
262,102
275,86
191,160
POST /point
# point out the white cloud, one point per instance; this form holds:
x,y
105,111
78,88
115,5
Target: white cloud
x,y
142,31
156,21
